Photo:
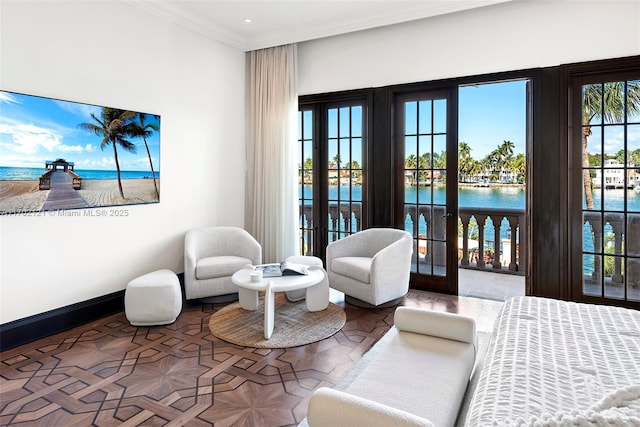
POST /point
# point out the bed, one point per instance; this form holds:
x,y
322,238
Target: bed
x,y
552,362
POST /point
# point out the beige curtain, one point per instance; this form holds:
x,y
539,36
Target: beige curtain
x,y
271,199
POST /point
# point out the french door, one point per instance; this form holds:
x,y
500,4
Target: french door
x,y
426,201
605,144
332,147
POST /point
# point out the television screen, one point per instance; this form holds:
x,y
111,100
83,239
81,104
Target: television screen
x,y
61,155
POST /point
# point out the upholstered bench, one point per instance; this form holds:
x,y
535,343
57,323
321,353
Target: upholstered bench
x,y
415,375
153,299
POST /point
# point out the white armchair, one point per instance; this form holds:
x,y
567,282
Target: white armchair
x,y
372,266
212,255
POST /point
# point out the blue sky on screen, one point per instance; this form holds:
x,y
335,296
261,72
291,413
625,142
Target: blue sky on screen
x,y
35,129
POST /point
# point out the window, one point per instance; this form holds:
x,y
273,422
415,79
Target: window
x,y
332,138
344,159
425,173
610,138
305,181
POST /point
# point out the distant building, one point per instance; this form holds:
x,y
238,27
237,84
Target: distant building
x,y
614,175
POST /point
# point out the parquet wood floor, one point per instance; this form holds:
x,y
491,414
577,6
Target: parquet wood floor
x,y
110,373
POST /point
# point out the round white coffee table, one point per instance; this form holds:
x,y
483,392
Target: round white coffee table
x,y
316,284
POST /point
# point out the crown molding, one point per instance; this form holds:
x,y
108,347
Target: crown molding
x,y
172,11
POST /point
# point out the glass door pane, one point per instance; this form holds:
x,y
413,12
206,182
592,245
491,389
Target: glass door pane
x,y
305,181
610,151
424,135
344,159
331,171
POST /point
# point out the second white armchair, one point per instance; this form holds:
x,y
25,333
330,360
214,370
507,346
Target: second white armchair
x,y
372,265
212,255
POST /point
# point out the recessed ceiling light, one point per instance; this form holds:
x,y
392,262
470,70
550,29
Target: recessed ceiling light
x,y
248,20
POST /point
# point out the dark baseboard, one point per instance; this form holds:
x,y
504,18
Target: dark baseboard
x,y
41,325
28,329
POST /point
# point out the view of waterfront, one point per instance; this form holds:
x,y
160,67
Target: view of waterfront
x,y
486,197
500,197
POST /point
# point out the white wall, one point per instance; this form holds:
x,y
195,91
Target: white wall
x,y
503,37
113,54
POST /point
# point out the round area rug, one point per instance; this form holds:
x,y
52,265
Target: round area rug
x,y
294,325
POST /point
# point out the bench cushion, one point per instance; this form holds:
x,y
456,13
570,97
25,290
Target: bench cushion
x,y
423,375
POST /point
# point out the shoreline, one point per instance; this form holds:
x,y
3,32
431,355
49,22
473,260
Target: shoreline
x,y
24,196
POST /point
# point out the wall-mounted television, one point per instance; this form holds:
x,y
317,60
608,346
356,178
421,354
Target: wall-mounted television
x,y
60,155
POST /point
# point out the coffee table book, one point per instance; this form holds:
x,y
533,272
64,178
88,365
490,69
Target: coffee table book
x,y
282,269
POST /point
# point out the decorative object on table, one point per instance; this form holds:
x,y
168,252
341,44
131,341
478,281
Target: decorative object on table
x,y
294,324
285,268
153,299
372,266
211,256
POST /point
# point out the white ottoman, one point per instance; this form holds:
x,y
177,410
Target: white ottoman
x,y
310,261
153,299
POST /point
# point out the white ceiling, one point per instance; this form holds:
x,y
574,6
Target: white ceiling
x,y
277,22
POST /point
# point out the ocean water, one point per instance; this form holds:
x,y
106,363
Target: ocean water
x,y
503,197
30,174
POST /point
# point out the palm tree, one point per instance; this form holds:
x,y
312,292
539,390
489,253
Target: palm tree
x,y
147,129
506,148
506,152
114,126
605,101
356,170
411,163
464,160
493,161
424,163
337,161
518,165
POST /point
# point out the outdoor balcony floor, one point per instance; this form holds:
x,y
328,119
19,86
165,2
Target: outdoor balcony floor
x,y
489,285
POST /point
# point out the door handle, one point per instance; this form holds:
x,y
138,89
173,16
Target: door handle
x,y
448,215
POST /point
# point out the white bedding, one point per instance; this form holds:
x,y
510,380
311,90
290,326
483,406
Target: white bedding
x,y
548,358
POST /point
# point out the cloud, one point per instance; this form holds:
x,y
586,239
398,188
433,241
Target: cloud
x,y
8,98
83,110
71,148
613,139
21,161
106,161
28,139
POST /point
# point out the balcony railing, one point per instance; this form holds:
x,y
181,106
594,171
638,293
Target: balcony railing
x,y
508,255
479,254
615,226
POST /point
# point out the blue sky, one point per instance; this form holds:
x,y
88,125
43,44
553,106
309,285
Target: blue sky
x,y
34,130
490,114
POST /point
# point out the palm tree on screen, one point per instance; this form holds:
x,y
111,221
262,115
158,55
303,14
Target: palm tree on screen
x,y
114,126
147,129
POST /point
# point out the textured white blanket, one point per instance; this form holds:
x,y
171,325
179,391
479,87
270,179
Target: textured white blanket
x,y
556,363
621,408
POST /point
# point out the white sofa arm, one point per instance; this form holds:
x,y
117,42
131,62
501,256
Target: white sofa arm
x,y
334,408
436,323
